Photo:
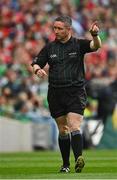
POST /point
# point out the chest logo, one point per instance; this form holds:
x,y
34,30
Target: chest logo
x,y
72,53
53,56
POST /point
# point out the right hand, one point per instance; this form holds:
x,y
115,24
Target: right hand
x,y
41,73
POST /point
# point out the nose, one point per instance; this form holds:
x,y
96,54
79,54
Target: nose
x,y
56,31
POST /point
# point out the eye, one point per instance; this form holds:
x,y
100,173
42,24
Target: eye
x,y
59,28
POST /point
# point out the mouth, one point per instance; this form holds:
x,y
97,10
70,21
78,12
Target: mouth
x,y
57,36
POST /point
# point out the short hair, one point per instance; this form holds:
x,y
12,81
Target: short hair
x,y
64,18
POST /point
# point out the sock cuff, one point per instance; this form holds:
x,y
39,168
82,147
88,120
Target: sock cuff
x,y
65,136
73,133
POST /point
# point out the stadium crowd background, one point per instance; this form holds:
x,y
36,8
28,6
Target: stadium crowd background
x,y
25,27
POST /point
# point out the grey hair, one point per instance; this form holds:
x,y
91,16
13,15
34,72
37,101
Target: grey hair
x,y
66,19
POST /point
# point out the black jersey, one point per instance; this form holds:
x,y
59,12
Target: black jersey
x,y
66,65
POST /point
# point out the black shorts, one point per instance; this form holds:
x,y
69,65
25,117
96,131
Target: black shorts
x,y
64,100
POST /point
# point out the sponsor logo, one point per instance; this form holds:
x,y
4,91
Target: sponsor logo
x,y
72,53
53,56
35,59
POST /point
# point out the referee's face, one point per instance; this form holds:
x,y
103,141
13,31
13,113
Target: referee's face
x,y
61,30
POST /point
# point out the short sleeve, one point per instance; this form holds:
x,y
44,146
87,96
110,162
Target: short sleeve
x,y
41,58
85,46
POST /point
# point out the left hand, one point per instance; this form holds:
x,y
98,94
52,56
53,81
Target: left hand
x,y
94,29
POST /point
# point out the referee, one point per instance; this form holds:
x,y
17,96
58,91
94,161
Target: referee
x,y
66,91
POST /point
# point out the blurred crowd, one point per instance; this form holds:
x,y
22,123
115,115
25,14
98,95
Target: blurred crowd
x,y
26,26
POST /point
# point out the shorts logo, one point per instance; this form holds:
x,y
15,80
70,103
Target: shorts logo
x,y
53,56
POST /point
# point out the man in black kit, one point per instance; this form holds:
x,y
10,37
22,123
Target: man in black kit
x,y
66,91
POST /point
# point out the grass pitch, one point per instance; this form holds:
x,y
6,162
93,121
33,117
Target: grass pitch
x,y
100,164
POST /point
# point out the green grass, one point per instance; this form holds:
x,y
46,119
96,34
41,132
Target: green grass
x,y
100,164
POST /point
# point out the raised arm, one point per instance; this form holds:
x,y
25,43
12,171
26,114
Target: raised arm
x,y
96,41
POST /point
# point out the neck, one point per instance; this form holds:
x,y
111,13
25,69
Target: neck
x,y
66,39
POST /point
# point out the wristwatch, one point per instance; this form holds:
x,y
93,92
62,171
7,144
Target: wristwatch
x,y
94,33
37,70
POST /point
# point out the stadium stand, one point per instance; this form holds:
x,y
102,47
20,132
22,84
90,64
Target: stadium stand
x,y
25,27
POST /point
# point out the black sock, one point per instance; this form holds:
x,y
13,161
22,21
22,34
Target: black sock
x,y
64,145
76,143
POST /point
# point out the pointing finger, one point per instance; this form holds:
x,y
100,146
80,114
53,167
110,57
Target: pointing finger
x,y
95,23
95,28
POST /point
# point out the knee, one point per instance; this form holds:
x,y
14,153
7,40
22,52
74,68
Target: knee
x,y
75,126
63,130
74,121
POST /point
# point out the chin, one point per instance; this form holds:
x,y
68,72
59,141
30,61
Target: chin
x,y
58,38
